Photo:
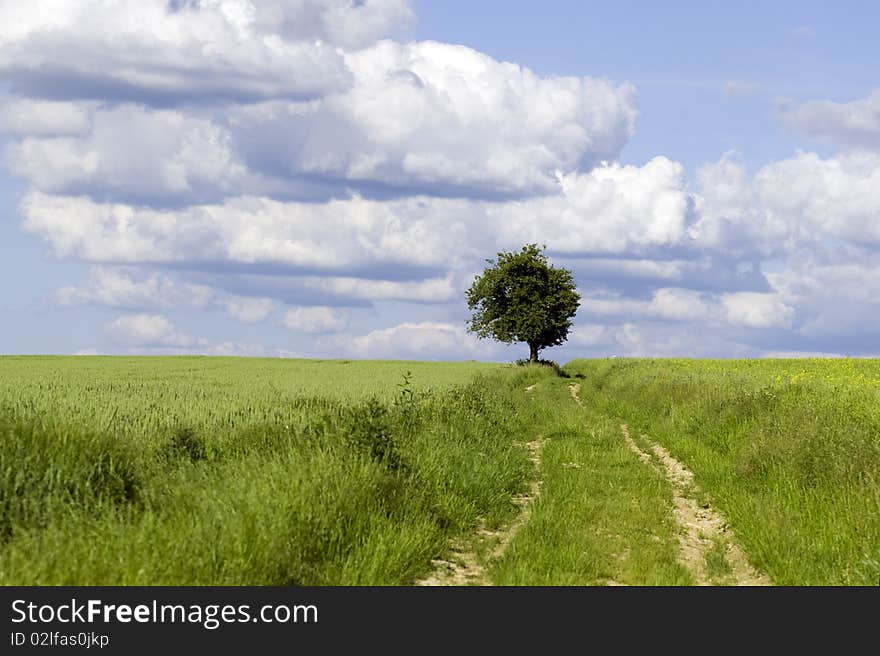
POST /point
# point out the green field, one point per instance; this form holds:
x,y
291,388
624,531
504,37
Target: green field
x,y
789,450
199,471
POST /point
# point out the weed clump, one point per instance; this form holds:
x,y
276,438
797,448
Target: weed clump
x,y
187,444
551,364
48,468
369,429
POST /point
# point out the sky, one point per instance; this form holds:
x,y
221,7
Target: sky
x,y
324,178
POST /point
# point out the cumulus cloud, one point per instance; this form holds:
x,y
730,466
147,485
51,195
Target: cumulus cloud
x,y
471,127
400,117
154,334
335,235
589,335
800,354
851,125
748,309
427,340
135,288
631,268
801,202
315,320
432,290
35,117
146,330
680,304
432,117
754,310
247,309
653,338
613,209
837,297
133,154
230,348
124,288
161,53
340,22
240,156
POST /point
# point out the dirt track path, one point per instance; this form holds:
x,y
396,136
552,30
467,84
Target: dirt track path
x,y
702,527
463,566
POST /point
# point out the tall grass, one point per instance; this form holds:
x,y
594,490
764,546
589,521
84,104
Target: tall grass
x,y
149,397
789,450
358,490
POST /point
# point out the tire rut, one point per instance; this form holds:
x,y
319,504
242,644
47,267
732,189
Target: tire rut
x,y
463,566
702,527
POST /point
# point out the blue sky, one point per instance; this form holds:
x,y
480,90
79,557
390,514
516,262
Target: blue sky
x,y
324,178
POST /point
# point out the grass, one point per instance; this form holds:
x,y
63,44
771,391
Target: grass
x,y
355,489
601,516
788,450
717,567
223,471
148,396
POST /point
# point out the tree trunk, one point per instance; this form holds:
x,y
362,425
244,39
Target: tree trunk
x,y
533,352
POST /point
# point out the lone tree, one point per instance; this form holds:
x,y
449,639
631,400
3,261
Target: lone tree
x,y
522,298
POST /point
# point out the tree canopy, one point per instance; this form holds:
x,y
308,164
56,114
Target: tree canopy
x,y
520,297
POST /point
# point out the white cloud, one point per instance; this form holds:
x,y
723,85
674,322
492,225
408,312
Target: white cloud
x,y
247,309
728,211
671,304
146,330
809,279
614,209
836,299
664,270
801,202
418,118
611,209
133,153
36,117
800,354
429,117
755,310
340,22
241,156
338,234
154,334
145,51
315,320
237,349
121,288
680,305
747,309
850,125
428,340
589,335
655,339
433,290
